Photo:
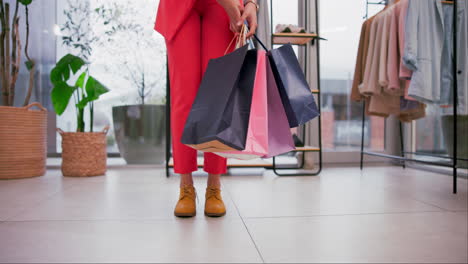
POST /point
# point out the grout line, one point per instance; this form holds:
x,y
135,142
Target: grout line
x,y
227,219
337,215
243,222
111,220
410,196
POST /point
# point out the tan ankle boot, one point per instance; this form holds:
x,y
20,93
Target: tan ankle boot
x,y
214,205
186,205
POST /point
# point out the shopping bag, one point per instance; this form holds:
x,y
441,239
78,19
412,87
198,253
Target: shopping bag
x,y
280,139
266,102
257,134
297,98
219,117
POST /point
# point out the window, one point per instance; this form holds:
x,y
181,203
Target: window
x,y
340,23
125,54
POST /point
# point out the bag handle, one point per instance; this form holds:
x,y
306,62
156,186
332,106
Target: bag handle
x,y
106,129
61,132
241,39
38,105
259,41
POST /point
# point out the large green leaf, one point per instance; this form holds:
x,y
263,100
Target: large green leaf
x,y
82,104
81,80
60,95
94,89
61,71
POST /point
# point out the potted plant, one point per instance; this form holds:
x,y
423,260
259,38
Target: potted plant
x,y
83,153
139,128
23,131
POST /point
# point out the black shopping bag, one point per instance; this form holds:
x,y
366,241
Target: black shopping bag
x,y
298,100
219,117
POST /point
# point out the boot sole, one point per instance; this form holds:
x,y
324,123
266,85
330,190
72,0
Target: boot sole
x,y
185,215
215,215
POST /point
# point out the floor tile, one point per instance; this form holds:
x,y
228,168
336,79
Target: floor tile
x,y
183,240
429,187
337,191
405,238
118,197
21,194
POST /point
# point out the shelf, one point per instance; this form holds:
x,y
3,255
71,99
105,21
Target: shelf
x,y
293,38
307,149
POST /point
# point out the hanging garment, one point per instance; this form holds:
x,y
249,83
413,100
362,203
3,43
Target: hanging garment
x,y
380,103
395,85
366,88
462,57
430,60
384,48
361,60
405,73
462,53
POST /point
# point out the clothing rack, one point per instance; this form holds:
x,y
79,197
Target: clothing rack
x,y
402,157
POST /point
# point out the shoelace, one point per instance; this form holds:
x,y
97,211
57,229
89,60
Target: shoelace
x,y
187,192
210,192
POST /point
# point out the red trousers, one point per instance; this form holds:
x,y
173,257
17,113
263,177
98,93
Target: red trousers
x,y
204,35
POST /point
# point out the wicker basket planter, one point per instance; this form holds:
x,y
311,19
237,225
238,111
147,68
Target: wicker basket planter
x,y
23,141
83,153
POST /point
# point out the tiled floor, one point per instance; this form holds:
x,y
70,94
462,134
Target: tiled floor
x,y
383,214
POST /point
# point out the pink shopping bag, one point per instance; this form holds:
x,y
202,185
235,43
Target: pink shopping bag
x,y
279,134
257,134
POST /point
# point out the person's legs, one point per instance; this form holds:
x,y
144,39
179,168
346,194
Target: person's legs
x,y
185,77
215,38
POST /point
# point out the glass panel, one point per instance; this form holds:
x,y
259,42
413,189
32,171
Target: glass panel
x,y
341,118
435,135
124,52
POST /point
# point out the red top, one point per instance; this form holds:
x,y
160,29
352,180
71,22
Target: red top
x,y
171,15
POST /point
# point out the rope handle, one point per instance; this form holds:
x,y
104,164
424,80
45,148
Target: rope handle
x,y
38,105
106,129
230,43
61,132
241,39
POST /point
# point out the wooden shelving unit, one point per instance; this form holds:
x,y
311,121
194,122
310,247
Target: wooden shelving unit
x,y
293,38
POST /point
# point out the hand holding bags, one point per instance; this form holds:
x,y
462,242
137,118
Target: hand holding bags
x,y
219,116
298,100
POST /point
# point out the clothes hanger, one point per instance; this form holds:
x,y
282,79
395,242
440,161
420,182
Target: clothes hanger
x,y
447,2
